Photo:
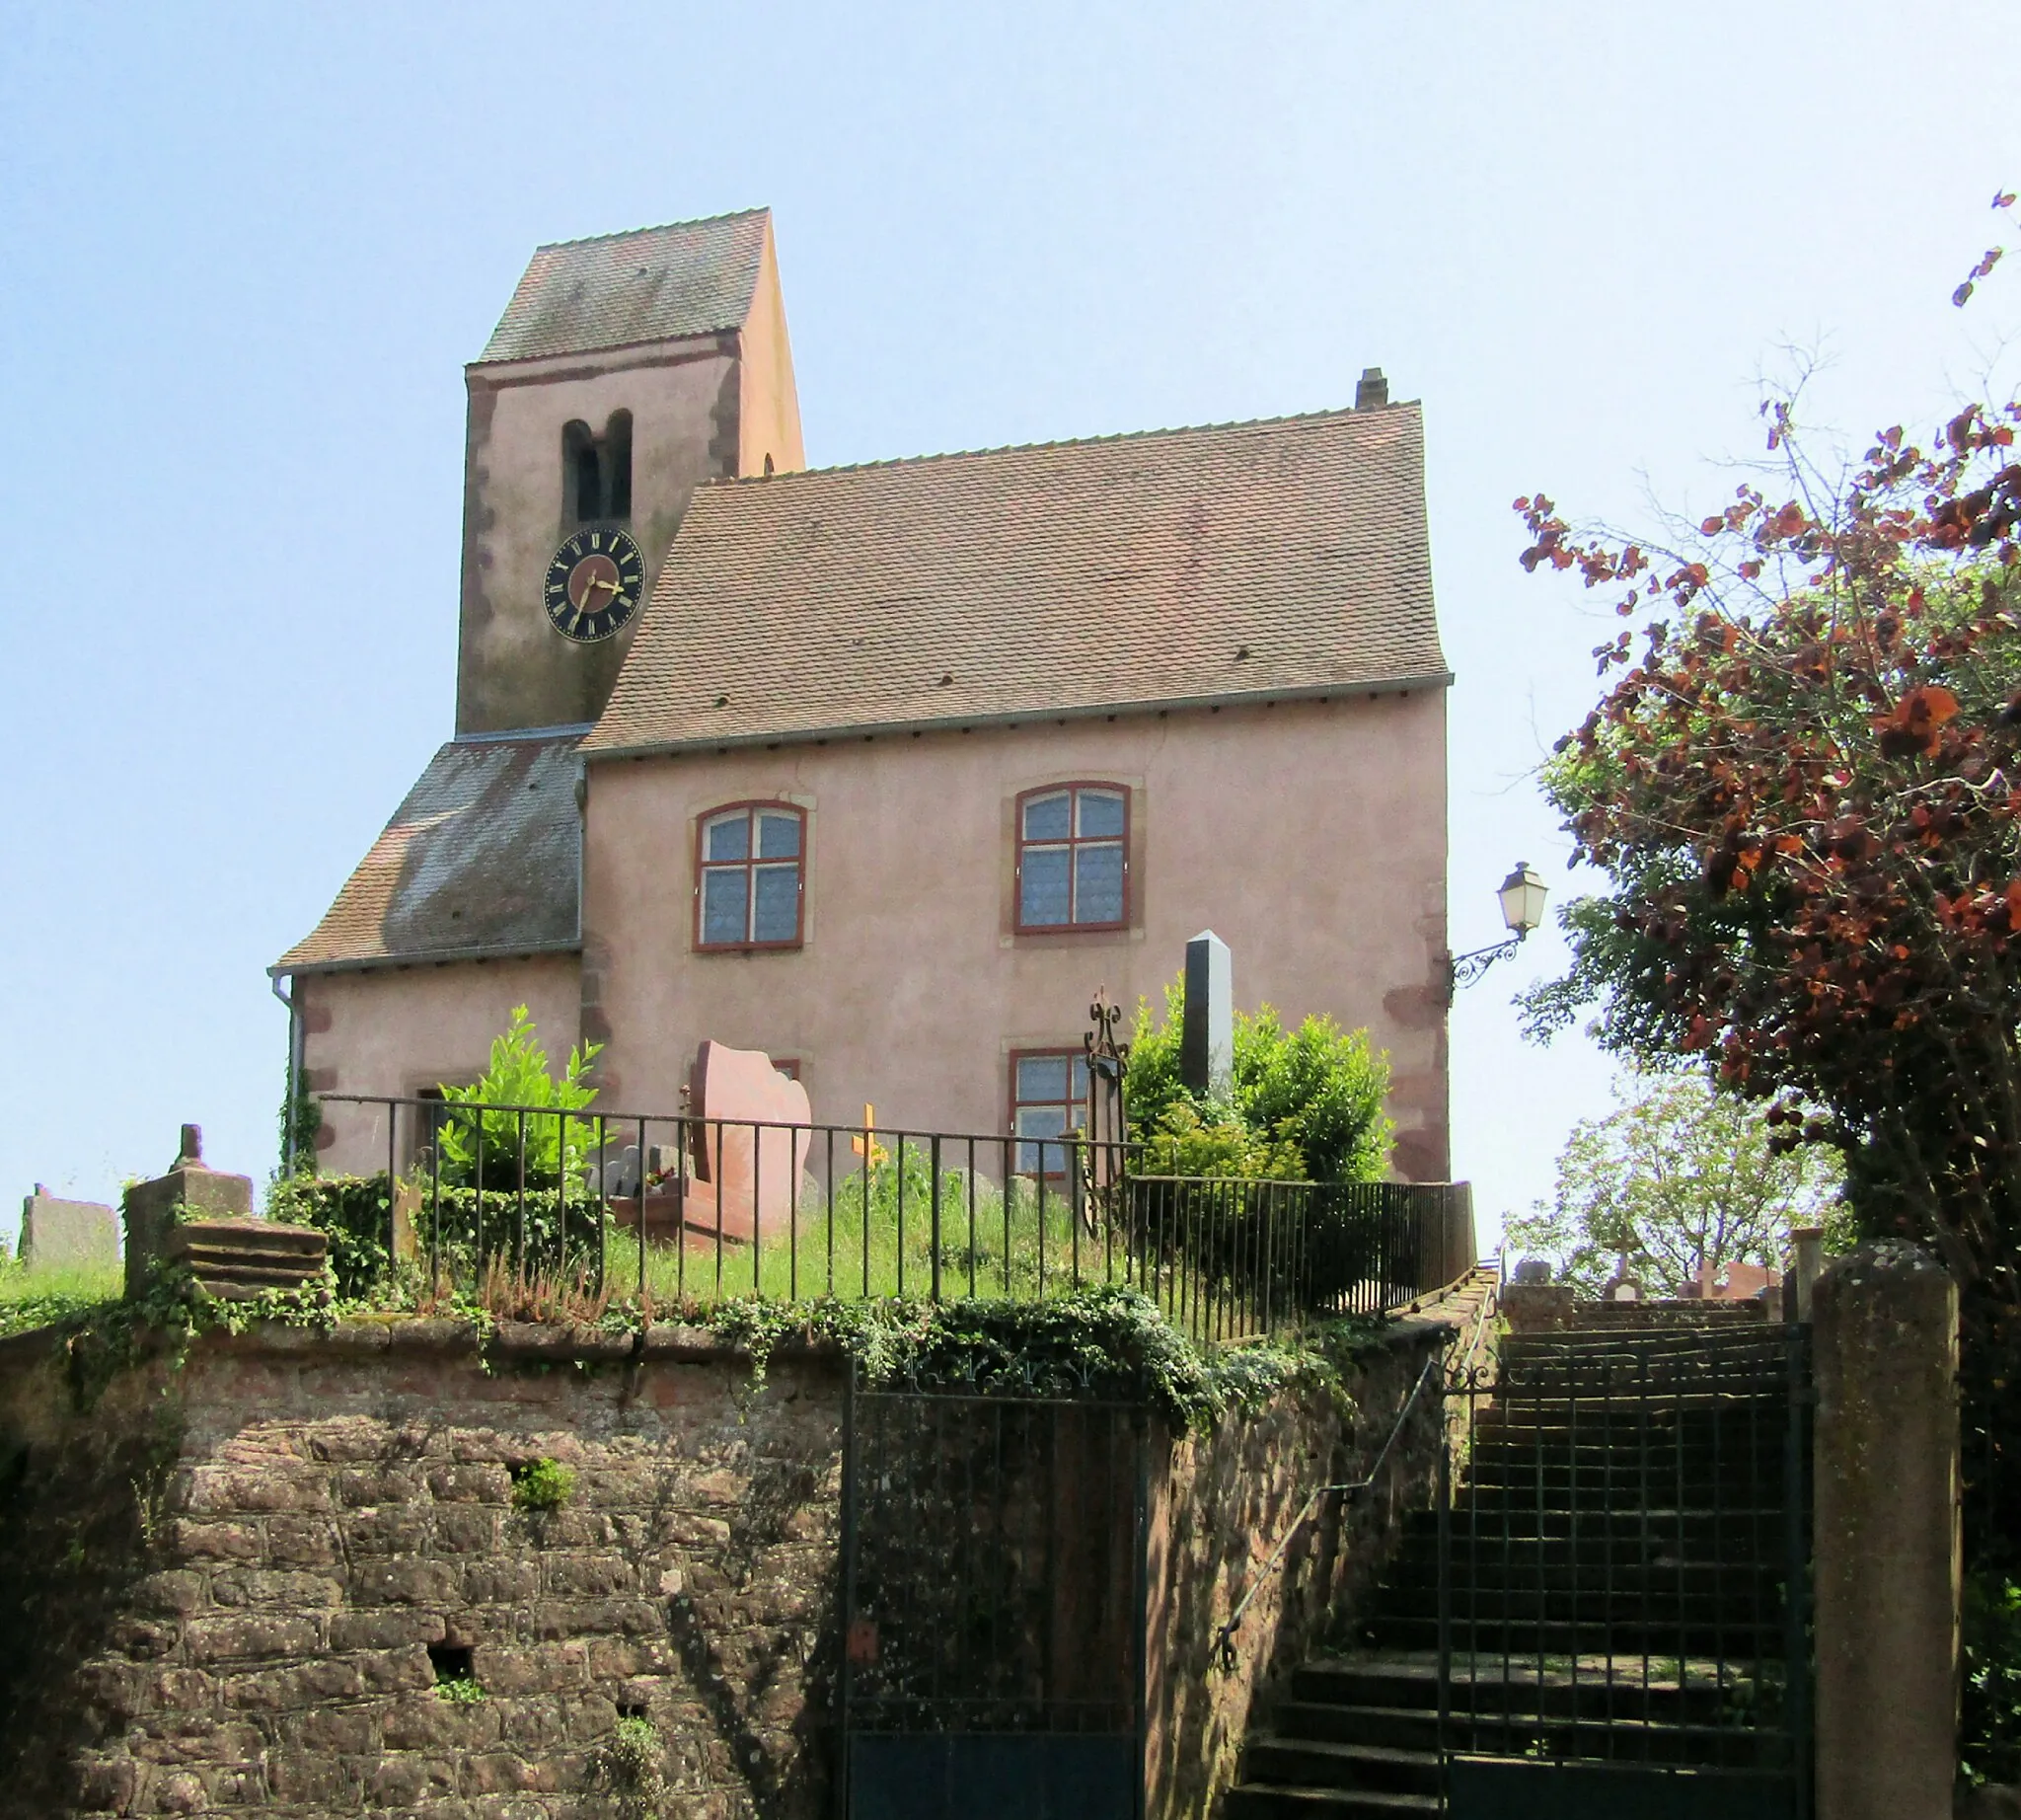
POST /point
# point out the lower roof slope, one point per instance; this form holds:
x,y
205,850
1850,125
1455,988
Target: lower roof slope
x,y
484,857
1280,557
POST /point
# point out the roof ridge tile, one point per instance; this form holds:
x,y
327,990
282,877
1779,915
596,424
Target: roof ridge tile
x,y
720,482
657,227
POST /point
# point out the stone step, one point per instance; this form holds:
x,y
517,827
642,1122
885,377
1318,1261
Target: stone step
x,y
1758,1641
1624,1562
1494,1512
1408,1682
237,1258
1263,1802
1490,1726
1323,1763
1712,1614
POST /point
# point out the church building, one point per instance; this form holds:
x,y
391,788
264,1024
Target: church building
x,y
885,769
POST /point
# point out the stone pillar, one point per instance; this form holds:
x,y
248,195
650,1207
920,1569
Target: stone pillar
x,y
1886,1551
1807,1243
1207,1047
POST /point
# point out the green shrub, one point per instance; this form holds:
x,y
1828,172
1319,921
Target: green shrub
x,y
1305,1104
517,1075
463,1690
552,1230
542,1485
353,1213
1183,1143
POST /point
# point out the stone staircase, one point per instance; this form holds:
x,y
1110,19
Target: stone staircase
x,y
1617,1549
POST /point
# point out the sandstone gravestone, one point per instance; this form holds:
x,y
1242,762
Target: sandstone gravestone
x,y
202,1219
747,1150
64,1234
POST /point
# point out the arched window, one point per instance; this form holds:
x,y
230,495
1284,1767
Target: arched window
x,y
596,471
748,876
582,484
1072,863
618,465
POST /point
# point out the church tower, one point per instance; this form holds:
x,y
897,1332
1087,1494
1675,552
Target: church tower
x,y
624,370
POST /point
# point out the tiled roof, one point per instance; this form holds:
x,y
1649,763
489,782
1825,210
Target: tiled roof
x,y
690,277
1177,565
483,856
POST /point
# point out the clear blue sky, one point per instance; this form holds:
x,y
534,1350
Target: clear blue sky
x,y
246,249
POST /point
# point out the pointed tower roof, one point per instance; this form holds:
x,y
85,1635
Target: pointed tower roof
x,y
651,284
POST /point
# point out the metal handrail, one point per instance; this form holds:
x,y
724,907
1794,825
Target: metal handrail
x,y
1224,1639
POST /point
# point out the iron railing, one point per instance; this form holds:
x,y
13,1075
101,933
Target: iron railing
x,y
1623,1561
678,1209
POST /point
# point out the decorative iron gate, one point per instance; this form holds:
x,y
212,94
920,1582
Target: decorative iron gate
x,y
1623,1572
993,1608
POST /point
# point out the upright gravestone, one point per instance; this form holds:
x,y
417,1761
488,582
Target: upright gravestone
x,y
61,1235
1207,1038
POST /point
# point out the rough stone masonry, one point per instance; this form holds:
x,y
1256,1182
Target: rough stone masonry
x,y
257,1581
247,1594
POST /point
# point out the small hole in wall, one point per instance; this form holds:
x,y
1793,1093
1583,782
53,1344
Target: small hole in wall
x,y
450,1661
632,1709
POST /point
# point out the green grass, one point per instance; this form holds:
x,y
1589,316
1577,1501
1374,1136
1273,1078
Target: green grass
x,y
36,1297
854,1250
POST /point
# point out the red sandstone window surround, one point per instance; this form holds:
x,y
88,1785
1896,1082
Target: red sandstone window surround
x,y
749,880
1048,1098
1073,856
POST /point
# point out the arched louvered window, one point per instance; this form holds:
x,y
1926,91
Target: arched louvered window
x,y
596,471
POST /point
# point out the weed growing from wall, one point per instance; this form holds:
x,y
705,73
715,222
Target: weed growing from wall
x,y
542,1485
626,1766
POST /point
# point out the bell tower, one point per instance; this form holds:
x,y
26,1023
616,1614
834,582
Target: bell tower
x,y
626,369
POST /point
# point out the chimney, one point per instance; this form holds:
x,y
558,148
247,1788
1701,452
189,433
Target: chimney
x,y
1374,390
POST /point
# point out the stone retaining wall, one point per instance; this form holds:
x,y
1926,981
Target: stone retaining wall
x,y
234,1585
233,1575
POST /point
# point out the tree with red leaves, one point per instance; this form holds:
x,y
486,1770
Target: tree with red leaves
x,y
1804,787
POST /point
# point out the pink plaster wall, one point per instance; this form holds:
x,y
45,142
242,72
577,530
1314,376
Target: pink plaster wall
x,y
702,408
514,670
395,1029
1309,836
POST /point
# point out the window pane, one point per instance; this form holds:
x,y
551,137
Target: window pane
x,y
1081,1087
1101,813
1041,1121
1099,884
1046,817
722,905
776,918
1042,887
779,837
730,838
1041,1077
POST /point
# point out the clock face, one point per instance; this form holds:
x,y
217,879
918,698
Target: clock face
x,y
593,585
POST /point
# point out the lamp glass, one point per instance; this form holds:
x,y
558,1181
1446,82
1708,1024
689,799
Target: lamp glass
x,y
1523,893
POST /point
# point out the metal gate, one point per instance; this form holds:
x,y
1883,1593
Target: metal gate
x,y
1624,1573
993,1608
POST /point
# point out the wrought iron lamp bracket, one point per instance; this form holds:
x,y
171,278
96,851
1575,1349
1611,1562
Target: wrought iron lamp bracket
x,y
1465,969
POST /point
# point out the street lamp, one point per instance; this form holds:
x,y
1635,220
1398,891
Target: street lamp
x,y
1521,895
